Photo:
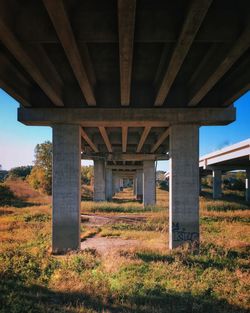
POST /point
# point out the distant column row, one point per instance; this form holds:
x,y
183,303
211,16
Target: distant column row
x,y
217,184
183,191
107,183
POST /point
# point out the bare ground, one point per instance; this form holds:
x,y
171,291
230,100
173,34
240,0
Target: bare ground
x,y
106,245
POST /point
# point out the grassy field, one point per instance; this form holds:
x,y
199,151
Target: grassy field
x,y
145,277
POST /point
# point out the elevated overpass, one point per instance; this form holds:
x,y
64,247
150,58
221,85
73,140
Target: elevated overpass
x,y
231,158
125,81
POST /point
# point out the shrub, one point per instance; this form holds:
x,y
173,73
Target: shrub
x,y
163,185
40,177
6,195
3,175
20,172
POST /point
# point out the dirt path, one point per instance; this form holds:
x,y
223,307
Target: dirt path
x,y
105,245
100,220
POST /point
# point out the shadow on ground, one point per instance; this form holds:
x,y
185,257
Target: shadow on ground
x,y
16,297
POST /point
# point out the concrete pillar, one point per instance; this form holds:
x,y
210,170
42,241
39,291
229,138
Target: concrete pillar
x,y
149,183
217,184
66,194
139,183
109,184
116,183
121,182
134,186
183,185
99,181
127,182
247,185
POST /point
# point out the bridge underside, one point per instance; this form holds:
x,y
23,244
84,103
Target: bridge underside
x,y
125,83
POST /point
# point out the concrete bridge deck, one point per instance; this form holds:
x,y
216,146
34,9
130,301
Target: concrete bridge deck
x,y
125,81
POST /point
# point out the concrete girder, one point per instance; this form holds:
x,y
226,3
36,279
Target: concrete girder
x,y
125,156
130,117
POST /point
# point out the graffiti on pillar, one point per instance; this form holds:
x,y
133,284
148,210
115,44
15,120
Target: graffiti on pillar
x,y
180,233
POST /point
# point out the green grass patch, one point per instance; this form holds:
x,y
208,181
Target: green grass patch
x,y
226,206
229,219
38,217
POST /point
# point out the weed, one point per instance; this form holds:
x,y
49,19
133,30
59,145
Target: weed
x,y
147,278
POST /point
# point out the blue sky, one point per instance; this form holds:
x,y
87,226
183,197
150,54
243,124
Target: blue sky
x,y
17,141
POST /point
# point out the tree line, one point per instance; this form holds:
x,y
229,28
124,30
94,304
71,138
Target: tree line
x,y
39,175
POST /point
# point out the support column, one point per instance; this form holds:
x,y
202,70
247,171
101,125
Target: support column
x,y
217,184
116,183
109,191
149,183
121,183
139,182
99,181
184,185
135,186
247,185
66,188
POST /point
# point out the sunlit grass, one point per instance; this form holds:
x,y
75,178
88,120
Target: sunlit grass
x,y
142,279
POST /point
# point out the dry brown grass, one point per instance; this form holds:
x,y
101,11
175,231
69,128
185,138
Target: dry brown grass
x,y
25,192
146,278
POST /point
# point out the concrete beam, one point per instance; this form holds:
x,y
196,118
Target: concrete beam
x,y
239,48
136,157
12,43
88,140
196,14
226,168
124,167
235,151
66,188
105,138
21,91
160,140
130,117
59,19
184,185
126,22
124,138
125,172
124,157
143,138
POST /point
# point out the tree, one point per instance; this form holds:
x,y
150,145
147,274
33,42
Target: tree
x,y
41,175
87,173
20,172
3,175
